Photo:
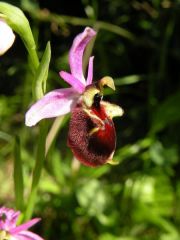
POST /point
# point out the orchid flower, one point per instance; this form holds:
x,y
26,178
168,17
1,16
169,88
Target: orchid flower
x,y
7,37
92,136
61,101
9,230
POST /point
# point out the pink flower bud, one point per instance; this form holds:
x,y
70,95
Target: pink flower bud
x,y
7,37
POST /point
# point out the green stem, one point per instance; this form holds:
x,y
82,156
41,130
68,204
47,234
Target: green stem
x,y
63,19
40,157
53,133
164,48
34,58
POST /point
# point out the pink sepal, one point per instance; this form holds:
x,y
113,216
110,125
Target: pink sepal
x,y
90,71
27,235
53,104
24,226
75,83
76,53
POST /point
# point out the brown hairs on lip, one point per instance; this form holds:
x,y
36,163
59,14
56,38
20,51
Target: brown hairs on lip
x,y
96,148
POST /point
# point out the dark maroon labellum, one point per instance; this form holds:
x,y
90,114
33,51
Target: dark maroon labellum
x,y
91,136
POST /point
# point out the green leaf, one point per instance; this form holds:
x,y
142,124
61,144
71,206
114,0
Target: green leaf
x,y
131,79
130,150
167,113
42,73
85,195
109,236
18,176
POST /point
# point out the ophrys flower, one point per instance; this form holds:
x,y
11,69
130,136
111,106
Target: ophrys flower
x,y
92,136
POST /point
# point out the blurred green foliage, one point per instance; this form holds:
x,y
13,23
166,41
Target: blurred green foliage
x,y
138,44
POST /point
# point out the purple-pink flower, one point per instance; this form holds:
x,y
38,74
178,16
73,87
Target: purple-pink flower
x,y
9,230
62,101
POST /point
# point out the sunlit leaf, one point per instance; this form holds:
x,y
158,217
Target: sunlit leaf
x,y
167,113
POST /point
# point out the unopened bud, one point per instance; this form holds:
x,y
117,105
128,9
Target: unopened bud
x,y
7,37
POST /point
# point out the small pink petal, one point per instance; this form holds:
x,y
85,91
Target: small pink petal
x,y
24,226
75,83
27,235
90,71
76,53
53,104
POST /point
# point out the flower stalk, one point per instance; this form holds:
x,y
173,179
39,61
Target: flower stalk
x,y
16,19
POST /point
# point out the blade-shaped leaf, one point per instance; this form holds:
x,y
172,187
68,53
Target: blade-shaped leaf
x,y
42,73
18,175
166,113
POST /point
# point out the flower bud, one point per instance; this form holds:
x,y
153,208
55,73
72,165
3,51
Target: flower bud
x,y
7,37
